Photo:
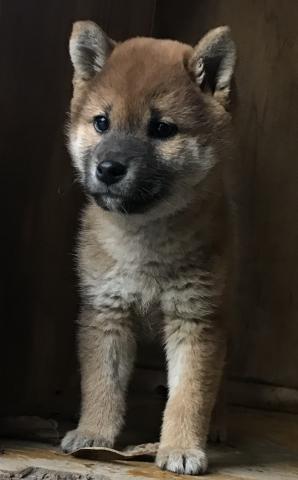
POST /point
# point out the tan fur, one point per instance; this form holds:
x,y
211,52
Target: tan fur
x,y
174,256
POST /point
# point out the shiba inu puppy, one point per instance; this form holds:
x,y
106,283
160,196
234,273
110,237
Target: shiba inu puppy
x,y
149,135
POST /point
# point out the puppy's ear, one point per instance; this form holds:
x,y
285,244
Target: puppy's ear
x,y
89,48
212,63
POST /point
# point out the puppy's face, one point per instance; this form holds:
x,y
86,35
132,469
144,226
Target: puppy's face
x,y
148,117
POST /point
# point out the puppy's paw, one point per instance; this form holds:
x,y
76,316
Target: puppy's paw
x,y
76,439
192,461
217,432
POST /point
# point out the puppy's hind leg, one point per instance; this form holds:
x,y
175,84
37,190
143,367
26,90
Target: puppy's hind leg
x,y
218,426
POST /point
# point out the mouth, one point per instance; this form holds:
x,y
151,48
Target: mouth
x,y
109,201
127,204
132,195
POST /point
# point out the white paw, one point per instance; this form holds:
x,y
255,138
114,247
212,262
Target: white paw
x,y
76,439
192,461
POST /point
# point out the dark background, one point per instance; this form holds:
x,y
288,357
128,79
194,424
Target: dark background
x,y
40,202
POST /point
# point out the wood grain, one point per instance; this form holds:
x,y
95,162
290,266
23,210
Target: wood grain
x,y
261,446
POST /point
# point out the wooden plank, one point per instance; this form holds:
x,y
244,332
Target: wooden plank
x,y
32,473
260,446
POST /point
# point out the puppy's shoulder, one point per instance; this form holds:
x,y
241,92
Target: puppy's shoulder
x,y
91,251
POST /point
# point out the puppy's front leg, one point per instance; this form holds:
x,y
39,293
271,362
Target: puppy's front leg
x,y
195,354
107,351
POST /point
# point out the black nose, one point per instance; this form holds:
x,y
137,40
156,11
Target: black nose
x,y
110,171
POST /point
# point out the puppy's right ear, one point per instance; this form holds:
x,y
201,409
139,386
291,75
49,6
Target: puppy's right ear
x,y
89,48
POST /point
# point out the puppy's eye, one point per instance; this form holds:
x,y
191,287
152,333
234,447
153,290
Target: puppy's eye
x,y
162,129
101,123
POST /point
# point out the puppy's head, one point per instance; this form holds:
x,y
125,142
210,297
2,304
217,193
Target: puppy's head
x,y
148,117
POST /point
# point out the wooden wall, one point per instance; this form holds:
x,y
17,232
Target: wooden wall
x,y
267,126
40,202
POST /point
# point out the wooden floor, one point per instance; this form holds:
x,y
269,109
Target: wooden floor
x,y
261,446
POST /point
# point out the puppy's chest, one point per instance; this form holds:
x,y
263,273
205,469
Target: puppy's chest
x,y
152,256
146,265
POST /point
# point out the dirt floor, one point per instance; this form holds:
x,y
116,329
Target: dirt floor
x,y
261,445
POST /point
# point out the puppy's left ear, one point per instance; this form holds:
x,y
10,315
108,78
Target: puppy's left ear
x,y
89,49
212,63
